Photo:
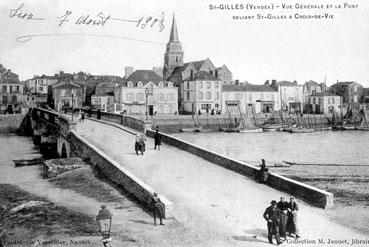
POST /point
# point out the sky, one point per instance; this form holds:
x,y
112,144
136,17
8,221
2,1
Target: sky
x,y
254,50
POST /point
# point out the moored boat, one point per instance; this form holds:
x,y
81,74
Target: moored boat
x,y
30,162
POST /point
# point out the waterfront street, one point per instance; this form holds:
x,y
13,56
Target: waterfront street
x,y
219,205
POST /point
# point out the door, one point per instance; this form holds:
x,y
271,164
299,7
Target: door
x,y
151,110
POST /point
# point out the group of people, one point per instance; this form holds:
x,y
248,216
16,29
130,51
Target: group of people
x,y
140,145
281,220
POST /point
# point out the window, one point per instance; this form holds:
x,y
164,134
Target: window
x,y
160,97
208,95
217,96
188,84
140,97
176,59
129,84
320,101
216,73
333,101
314,101
129,96
208,84
201,96
160,84
17,89
238,96
171,96
329,100
170,84
200,84
4,89
191,74
139,84
216,84
188,95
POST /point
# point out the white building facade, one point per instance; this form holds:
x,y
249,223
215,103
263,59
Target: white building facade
x,y
202,93
291,96
145,91
324,103
250,98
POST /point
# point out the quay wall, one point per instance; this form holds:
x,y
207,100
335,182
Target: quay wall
x,y
310,194
115,172
10,123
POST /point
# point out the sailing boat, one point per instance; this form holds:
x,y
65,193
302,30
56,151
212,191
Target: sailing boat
x,y
249,126
364,125
196,127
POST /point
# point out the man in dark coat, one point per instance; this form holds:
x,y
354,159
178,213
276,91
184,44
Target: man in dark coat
x,y
282,205
272,215
157,139
98,114
292,225
158,208
263,172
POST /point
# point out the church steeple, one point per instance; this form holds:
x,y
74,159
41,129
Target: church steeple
x,y
173,56
173,31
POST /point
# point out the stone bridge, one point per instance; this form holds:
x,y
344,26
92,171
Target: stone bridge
x,y
210,194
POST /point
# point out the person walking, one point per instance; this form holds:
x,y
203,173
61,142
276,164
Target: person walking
x,y
292,224
282,205
272,215
82,116
158,208
157,139
140,143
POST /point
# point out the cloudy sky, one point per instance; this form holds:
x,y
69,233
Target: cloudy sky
x,y
254,50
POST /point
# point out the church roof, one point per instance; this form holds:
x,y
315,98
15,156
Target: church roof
x,y
173,32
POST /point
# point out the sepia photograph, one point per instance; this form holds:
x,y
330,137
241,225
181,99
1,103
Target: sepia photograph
x,y
184,123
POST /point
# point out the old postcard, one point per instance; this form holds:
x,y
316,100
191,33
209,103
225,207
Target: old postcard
x,y
184,123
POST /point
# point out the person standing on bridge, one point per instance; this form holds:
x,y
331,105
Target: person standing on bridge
x,y
282,205
157,139
98,114
292,224
272,215
158,208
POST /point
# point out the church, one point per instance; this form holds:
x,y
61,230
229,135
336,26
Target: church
x,y
178,72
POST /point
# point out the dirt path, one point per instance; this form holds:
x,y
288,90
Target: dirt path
x,y
218,204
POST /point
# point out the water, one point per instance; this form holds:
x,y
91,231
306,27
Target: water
x,y
349,148
29,178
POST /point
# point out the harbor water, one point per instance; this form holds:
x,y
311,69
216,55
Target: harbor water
x,y
341,157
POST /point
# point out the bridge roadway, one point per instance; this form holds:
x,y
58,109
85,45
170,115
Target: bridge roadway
x,y
216,204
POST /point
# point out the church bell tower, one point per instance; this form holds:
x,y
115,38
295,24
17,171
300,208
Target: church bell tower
x,y
173,56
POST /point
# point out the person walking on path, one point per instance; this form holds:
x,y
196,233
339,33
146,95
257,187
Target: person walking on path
x,y
157,139
140,144
292,224
282,205
83,116
158,208
272,215
80,115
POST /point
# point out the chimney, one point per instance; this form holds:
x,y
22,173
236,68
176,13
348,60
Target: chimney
x,y
237,82
128,70
266,82
158,71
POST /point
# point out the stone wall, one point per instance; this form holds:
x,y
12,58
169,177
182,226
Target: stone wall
x,y
10,123
115,172
303,191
